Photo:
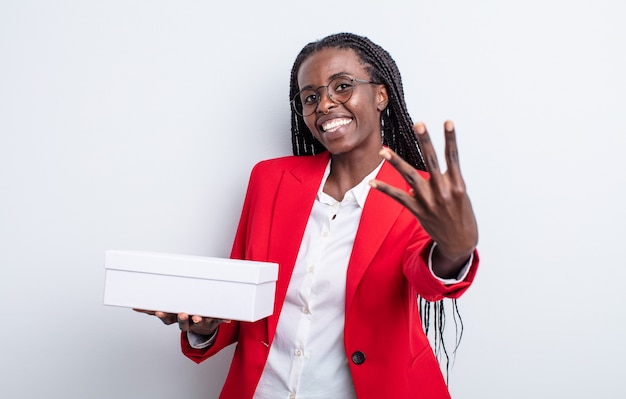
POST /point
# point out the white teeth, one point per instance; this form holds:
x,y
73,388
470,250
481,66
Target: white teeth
x,y
335,124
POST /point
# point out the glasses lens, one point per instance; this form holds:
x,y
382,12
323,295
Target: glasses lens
x,y
305,102
308,100
340,89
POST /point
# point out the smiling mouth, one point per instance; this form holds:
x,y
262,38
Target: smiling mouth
x,y
335,124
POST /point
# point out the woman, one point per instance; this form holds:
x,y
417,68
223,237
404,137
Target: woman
x,y
352,260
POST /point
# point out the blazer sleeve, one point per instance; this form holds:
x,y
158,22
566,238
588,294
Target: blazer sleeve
x,y
420,276
226,335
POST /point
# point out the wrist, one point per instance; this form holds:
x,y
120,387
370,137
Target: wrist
x,y
447,266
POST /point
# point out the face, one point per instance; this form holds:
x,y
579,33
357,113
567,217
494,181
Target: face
x,y
351,127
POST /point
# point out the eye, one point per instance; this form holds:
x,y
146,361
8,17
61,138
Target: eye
x,y
342,86
309,97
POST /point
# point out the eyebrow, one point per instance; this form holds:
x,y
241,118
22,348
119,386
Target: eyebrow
x,y
333,76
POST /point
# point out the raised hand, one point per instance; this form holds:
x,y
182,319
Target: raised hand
x,y
440,203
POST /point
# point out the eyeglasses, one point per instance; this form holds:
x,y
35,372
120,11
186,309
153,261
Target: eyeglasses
x,y
339,90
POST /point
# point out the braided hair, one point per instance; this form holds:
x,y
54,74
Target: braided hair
x,y
396,124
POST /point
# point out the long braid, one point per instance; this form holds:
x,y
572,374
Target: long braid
x,y
397,131
396,123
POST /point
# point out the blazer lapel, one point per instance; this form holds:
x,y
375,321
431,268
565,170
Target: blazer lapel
x,y
379,214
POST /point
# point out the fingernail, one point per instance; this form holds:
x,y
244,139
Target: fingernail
x,y
449,126
196,319
373,184
385,154
420,128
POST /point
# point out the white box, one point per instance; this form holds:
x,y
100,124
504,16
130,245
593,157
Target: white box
x,y
197,285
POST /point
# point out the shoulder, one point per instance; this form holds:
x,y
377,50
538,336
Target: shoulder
x,y
290,163
279,163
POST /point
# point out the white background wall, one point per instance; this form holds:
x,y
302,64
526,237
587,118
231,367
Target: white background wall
x,y
134,125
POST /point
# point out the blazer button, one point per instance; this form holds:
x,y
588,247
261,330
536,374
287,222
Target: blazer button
x,y
358,357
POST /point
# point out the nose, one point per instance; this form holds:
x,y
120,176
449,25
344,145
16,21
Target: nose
x,y
326,102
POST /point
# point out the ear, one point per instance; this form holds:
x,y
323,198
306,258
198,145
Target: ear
x,y
383,98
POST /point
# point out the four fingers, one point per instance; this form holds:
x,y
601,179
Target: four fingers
x,y
418,196
185,321
199,324
205,325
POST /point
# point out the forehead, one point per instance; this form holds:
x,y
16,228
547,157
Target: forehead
x,y
320,66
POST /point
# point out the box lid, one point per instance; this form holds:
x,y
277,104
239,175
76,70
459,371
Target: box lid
x,y
203,267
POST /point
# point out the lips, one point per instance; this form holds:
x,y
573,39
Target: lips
x,y
334,124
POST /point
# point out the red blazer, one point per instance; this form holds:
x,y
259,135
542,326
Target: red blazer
x,y
388,354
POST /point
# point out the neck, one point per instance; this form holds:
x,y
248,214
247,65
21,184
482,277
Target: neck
x,y
346,171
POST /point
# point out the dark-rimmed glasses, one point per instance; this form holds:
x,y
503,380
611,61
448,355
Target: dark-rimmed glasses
x,y
339,90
